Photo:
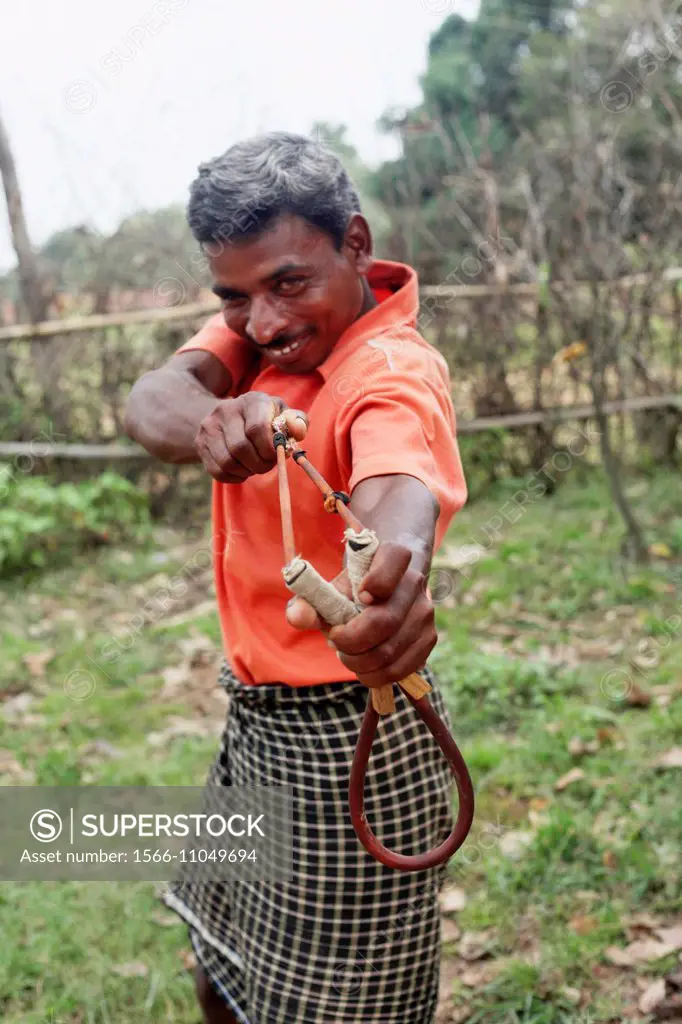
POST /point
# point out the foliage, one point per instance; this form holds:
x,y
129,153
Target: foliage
x,y
42,524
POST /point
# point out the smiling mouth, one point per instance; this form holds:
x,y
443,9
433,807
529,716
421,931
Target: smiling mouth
x,y
290,347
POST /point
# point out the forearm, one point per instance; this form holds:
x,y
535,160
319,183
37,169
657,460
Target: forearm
x,y
164,411
399,509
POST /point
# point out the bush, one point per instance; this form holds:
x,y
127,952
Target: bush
x,y
42,524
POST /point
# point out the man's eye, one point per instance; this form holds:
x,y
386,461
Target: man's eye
x,y
291,285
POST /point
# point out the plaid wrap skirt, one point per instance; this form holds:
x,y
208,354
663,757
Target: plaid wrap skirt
x,y
347,940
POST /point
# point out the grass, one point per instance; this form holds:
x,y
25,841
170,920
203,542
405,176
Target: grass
x,y
538,648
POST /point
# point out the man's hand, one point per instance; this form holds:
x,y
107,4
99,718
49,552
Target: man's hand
x,y
235,442
395,633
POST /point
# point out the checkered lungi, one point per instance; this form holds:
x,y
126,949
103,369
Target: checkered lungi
x,y
347,939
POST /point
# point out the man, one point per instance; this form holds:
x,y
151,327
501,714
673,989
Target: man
x,y
313,328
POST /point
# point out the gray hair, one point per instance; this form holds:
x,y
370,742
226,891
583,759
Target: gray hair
x,y
237,194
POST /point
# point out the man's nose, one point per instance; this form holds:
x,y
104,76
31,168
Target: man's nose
x,y
264,323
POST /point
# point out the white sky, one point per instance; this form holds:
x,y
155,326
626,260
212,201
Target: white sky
x,y
98,137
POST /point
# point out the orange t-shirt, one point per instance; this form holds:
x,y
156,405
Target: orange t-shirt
x,y
379,404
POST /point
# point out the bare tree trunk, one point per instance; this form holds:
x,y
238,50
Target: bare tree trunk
x,y
33,292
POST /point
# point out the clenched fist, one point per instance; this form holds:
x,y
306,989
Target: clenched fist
x,y
395,633
235,440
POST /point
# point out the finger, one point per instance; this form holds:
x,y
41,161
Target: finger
x,y
240,446
388,567
379,622
385,654
296,423
302,615
217,461
257,421
413,659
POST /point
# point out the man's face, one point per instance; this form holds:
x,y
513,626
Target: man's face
x,y
289,291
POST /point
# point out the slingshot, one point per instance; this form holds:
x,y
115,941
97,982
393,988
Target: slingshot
x,y
336,609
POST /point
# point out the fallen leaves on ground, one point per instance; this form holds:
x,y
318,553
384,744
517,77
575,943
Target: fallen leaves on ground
x,y
583,924
479,974
476,945
575,775
184,727
134,969
636,697
513,844
671,759
663,997
189,961
654,995
12,770
450,931
37,661
662,941
165,920
452,900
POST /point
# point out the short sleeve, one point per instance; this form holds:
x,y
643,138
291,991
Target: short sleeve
x,y
404,423
232,351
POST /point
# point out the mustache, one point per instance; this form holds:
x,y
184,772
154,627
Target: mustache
x,y
281,339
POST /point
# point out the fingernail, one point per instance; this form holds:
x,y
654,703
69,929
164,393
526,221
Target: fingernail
x,y
366,598
330,643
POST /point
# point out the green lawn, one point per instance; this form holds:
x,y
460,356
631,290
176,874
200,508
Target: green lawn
x,y
555,657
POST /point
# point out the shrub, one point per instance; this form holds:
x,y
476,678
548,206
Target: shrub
x,y
42,524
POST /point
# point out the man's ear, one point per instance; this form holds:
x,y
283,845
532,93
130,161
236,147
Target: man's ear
x,y
357,243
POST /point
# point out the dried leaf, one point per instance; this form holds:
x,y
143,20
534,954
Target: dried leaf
x,y
10,767
583,924
660,550
643,951
476,945
513,844
593,650
18,705
671,759
174,678
671,936
189,961
572,351
654,995
574,995
450,931
134,969
453,900
479,974
636,697
575,775
165,920
609,859
643,920
37,661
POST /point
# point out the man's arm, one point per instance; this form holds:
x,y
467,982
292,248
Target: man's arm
x,y
177,413
396,632
166,406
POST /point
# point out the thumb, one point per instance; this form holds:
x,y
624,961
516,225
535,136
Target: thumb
x,y
302,615
297,423
294,421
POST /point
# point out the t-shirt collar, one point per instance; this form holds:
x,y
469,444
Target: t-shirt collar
x,y
399,308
